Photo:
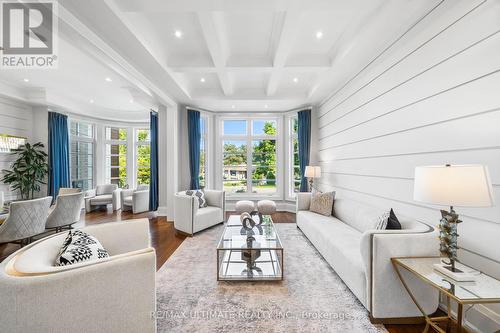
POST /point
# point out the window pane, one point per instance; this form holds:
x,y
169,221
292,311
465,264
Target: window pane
x,y
82,163
82,129
235,127
142,135
264,152
295,125
115,133
264,127
235,153
143,176
116,163
234,186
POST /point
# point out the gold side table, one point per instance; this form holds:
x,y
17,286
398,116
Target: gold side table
x,y
484,289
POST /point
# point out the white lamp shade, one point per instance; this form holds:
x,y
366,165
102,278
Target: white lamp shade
x,y
313,171
455,185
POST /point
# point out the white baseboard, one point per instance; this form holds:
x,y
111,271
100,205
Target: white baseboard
x,y
162,211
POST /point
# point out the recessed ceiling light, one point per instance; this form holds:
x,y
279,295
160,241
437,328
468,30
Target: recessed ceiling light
x,y
295,79
91,101
26,80
232,106
319,34
265,106
131,100
202,80
178,33
49,109
108,79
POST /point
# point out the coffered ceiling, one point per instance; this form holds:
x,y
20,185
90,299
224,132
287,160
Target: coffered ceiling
x,y
226,55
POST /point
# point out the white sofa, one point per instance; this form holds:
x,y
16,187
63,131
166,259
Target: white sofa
x,y
361,255
190,219
135,200
115,294
103,195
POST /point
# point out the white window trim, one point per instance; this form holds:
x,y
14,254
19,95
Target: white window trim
x,y
290,194
92,140
117,142
136,145
249,138
206,139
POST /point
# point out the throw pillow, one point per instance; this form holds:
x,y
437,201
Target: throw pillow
x,y
200,195
393,222
381,222
78,247
322,203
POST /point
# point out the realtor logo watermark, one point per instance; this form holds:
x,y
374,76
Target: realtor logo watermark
x,y
29,34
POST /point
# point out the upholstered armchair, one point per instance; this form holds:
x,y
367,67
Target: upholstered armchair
x,y
189,218
25,220
135,200
114,294
66,211
103,195
69,190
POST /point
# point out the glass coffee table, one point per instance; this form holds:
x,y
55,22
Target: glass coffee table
x,y
249,255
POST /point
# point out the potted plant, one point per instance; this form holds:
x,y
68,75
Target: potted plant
x,y
28,171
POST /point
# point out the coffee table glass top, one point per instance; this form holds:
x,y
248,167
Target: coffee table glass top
x,y
235,236
484,289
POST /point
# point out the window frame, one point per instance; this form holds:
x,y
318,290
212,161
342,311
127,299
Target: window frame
x,y
249,137
116,142
292,195
204,139
93,141
138,143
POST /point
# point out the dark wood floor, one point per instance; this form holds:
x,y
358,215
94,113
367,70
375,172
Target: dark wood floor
x,y
165,241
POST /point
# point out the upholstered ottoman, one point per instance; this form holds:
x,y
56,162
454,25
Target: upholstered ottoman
x,y
266,207
243,206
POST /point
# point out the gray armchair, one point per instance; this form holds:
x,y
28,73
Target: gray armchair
x,y
103,195
136,200
25,220
65,212
189,218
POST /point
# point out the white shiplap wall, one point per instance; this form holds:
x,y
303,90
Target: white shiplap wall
x,y
16,118
433,97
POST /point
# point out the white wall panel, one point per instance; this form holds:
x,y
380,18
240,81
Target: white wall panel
x,y
432,98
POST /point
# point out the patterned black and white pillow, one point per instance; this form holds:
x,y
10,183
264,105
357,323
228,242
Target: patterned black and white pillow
x,y
200,195
78,247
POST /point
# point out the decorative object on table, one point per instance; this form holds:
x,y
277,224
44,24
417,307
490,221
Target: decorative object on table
x,y
247,221
250,254
311,173
28,171
454,185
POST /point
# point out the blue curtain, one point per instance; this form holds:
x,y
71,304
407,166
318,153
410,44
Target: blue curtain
x,y
304,138
194,135
58,153
153,178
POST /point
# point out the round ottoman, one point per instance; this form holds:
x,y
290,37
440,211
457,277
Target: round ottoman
x,y
243,206
266,207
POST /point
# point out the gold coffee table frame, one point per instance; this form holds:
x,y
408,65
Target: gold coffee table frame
x,y
399,263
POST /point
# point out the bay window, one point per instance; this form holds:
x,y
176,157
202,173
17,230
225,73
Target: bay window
x,y
82,140
249,156
116,156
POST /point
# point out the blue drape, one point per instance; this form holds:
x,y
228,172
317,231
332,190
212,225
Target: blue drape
x,y
304,138
194,135
153,178
58,153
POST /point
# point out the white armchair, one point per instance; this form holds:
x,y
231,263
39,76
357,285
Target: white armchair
x,y
103,195
189,218
66,211
114,294
135,200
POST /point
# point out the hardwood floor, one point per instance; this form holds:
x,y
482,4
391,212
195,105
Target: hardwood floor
x,y
165,241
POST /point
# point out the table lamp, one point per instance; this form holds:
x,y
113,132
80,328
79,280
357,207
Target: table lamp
x,y
452,185
311,173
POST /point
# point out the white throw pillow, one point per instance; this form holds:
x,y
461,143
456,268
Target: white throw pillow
x,y
78,247
322,203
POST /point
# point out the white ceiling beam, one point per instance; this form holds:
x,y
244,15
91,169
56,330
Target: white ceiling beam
x,y
213,28
283,48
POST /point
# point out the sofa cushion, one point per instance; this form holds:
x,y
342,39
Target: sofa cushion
x,y
322,203
339,244
80,246
102,199
359,215
106,189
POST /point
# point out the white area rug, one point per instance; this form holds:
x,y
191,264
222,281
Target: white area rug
x,y
312,298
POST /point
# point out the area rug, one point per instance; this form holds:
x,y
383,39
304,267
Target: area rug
x,y
312,298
